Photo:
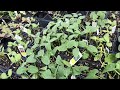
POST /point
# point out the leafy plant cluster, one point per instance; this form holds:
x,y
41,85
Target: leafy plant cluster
x,y
50,50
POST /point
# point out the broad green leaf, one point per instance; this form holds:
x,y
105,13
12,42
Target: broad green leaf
x,y
66,63
37,40
29,51
92,49
94,38
76,70
101,14
59,60
44,68
60,72
119,47
85,55
110,67
117,55
63,47
93,15
34,76
81,17
67,72
4,76
118,65
32,69
53,39
97,57
110,58
25,77
72,43
72,36
83,68
75,14
48,46
109,44
69,30
52,67
47,74
92,74
34,25
82,44
68,15
31,59
21,70
106,37
17,57
9,72
41,53
119,38
12,59
46,60
76,52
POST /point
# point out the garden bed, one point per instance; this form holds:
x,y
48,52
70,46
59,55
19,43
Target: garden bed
x,y
52,38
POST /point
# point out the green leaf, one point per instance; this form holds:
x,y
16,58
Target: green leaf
x,y
41,53
94,38
101,14
92,49
85,55
34,76
110,58
82,44
67,72
46,60
68,15
69,30
63,47
9,72
119,38
117,55
93,15
44,68
32,69
76,52
53,39
21,70
92,74
110,67
4,76
52,67
97,57
25,77
81,17
29,51
83,68
72,36
47,74
31,59
76,70
17,57
60,72
119,47
59,60
106,37
109,44
12,59
72,43
37,40
118,65
66,63
34,25
48,46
